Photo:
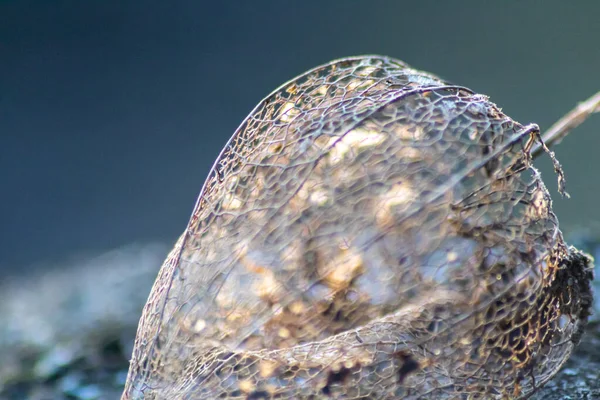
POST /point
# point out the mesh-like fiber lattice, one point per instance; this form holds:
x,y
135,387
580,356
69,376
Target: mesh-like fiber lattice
x,y
369,232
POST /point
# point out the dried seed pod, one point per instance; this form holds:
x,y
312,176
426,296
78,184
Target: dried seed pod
x,y
369,231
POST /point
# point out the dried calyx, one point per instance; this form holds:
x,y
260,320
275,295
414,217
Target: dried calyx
x,y
368,231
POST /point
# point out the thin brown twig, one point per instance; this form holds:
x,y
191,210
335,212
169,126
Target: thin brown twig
x,y
573,119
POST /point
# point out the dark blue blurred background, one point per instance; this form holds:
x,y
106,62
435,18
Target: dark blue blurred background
x,y
112,112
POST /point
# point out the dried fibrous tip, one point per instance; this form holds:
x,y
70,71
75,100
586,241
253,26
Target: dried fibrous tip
x,y
369,231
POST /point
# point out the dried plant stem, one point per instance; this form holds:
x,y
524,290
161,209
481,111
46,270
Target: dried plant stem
x,y
572,120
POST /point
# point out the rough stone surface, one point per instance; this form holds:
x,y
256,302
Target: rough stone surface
x,y
68,333
67,369
91,362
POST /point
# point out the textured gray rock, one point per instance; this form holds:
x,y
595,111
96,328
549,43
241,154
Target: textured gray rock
x,y
85,355
68,332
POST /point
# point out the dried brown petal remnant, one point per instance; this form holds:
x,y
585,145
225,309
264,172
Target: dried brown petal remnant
x,y
369,231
